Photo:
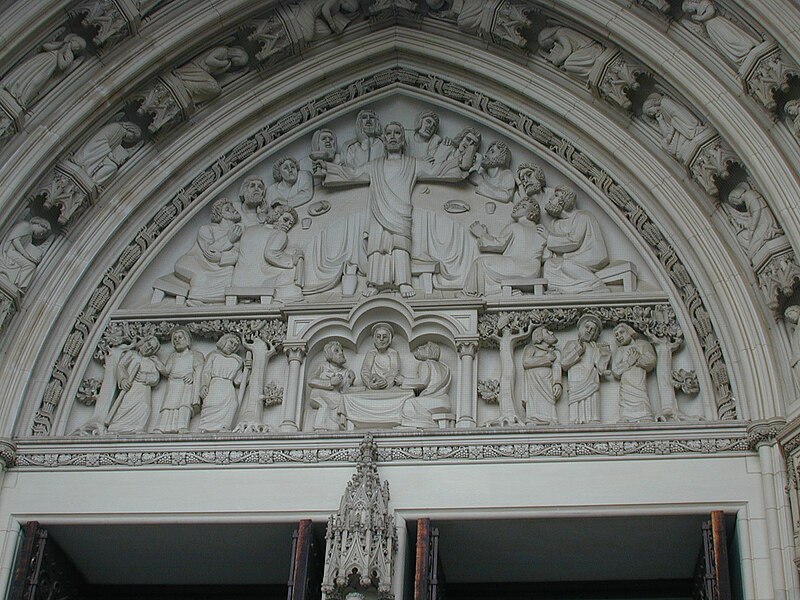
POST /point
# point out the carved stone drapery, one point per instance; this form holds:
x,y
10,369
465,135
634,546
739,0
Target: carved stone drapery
x,y
361,541
282,125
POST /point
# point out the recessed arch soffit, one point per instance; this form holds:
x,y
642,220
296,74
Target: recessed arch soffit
x,y
717,149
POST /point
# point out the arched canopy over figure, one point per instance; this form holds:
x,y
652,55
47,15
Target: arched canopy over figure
x,y
515,252
22,250
677,124
585,361
222,375
328,382
183,370
381,367
137,374
208,266
29,78
368,144
292,187
632,360
106,151
575,246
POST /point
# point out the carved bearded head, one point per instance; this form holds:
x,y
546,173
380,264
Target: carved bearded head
x,y
334,353
428,351
253,191
530,178
394,137
382,334
223,209
589,328
542,335
563,199
498,154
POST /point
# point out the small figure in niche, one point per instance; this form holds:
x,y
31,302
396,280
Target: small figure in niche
x,y
137,375
633,359
431,384
543,386
183,370
223,373
331,379
381,367
585,361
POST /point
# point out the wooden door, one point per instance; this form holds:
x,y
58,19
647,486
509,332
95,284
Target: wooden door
x,y
305,574
428,574
43,571
712,576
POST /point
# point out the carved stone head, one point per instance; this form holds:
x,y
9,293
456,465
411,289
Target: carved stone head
x,y
530,178
367,124
563,199
542,335
589,328
792,314
624,334
253,191
652,105
40,229
181,339
324,141
223,209
382,335
394,137
148,346
286,169
428,351
498,154
529,209
426,124
228,343
282,217
334,353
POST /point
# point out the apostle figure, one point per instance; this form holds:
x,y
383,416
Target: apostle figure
x,y
381,367
432,384
292,186
200,76
265,258
733,42
569,50
575,247
495,180
183,370
330,380
106,151
516,252
792,314
22,250
530,182
751,217
678,126
222,375
585,361
316,19
208,266
543,386
461,151
252,205
29,78
388,225
368,144
633,359
137,374
425,140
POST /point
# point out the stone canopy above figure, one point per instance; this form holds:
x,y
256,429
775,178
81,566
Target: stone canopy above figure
x,y
404,208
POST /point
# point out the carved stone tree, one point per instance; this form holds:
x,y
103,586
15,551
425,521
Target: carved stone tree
x,y
505,331
361,539
260,348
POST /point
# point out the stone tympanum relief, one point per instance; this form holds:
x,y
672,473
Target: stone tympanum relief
x,y
419,208
403,276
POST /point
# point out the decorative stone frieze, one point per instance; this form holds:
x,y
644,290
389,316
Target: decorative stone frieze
x,y
449,91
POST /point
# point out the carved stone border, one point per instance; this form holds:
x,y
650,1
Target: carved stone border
x,y
255,452
360,89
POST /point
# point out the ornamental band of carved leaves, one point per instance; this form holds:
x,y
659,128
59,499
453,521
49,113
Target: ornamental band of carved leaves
x,y
227,165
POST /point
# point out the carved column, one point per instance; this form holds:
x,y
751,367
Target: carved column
x,y
295,354
467,385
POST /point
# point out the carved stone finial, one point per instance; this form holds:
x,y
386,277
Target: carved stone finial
x,y
361,537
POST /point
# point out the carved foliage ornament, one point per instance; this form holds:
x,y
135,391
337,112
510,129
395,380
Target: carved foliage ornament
x,y
226,165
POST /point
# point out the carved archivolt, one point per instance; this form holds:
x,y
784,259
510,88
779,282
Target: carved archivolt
x,y
643,340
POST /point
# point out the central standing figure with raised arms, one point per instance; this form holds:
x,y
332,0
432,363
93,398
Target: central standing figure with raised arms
x,y
388,226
